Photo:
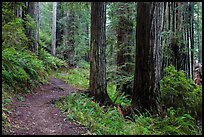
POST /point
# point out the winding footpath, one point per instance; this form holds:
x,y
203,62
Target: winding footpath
x,y
37,115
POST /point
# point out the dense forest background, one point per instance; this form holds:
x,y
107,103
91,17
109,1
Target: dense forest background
x,y
140,62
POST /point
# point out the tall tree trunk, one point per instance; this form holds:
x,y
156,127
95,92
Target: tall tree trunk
x,y
86,29
164,40
98,84
24,13
191,10
59,30
188,54
17,7
33,34
146,93
198,35
53,51
36,33
30,31
70,37
124,59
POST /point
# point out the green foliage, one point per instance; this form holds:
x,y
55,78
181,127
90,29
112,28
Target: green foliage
x,y
120,14
88,113
79,107
178,91
84,65
82,109
13,33
80,78
76,27
174,124
21,66
120,98
49,61
6,100
44,39
46,17
77,76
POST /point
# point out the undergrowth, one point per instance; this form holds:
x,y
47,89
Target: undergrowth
x,y
181,92
80,107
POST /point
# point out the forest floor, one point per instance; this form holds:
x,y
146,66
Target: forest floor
x,y
37,115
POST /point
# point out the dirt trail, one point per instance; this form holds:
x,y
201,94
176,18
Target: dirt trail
x,y
38,116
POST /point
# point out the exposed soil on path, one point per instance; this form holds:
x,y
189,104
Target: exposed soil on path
x,y
37,115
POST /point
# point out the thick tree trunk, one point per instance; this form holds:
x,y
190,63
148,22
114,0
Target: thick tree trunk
x,y
59,30
98,84
33,34
146,93
36,33
30,32
53,51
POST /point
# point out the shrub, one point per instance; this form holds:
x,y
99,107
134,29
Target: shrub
x,y
180,92
6,100
77,76
79,107
49,61
13,34
21,68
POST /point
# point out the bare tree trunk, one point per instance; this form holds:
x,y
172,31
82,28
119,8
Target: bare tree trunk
x,y
146,93
199,51
191,10
98,84
87,40
53,51
199,38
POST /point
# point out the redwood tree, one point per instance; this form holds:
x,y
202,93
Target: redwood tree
x,y
33,34
98,84
146,92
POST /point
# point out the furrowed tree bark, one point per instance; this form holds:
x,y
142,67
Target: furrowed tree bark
x,y
146,92
33,34
97,83
36,33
